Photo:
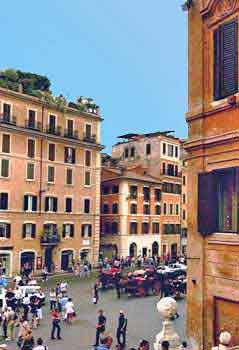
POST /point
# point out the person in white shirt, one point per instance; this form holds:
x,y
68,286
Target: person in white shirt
x,y
40,345
63,287
69,310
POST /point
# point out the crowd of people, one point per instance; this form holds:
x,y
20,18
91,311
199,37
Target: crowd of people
x,y
23,311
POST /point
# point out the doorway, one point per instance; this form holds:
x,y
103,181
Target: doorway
x,y
67,260
27,262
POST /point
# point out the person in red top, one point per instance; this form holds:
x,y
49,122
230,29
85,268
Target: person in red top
x,y
56,320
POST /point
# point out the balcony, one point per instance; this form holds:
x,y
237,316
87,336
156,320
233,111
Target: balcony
x,y
53,130
49,240
6,119
33,125
89,138
71,134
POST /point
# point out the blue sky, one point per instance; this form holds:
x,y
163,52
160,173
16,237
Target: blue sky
x,y
129,55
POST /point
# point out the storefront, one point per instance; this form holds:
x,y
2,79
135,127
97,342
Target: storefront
x,y
28,259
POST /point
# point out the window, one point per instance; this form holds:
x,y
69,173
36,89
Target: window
x,y
29,230
87,206
52,152
145,227
88,130
146,192
86,230
133,192
171,209
105,208
87,158
170,169
176,151
164,148
148,149
146,209
165,208
107,227
70,127
5,230
184,214
87,178
155,227
31,119
5,143
31,148
69,176
176,170
51,204
157,209
226,60
68,206
115,189
115,229
164,169
133,208
115,208
105,190
52,124
70,155
157,194
170,150
3,201
51,174
7,109
5,167
133,228
177,209
184,198
30,202
126,153
132,152
178,189
30,171
68,230
50,230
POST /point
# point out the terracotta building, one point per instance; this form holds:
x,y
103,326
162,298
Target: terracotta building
x,y
156,155
213,163
49,184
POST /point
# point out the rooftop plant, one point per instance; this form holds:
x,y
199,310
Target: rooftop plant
x,y
39,86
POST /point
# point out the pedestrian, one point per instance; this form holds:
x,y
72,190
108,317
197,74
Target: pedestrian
x,y
40,345
5,319
56,320
165,345
28,341
184,345
117,285
100,327
69,311
122,328
144,345
96,293
52,297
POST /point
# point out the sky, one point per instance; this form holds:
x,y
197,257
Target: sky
x,y
129,55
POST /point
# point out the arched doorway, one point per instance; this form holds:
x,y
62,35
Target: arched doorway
x,y
174,249
133,250
67,260
155,249
27,262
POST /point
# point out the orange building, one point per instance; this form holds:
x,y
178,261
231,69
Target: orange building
x,y
49,184
156,155
213,177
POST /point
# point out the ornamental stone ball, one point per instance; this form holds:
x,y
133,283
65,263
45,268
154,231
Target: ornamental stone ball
x,y
225,338
167,307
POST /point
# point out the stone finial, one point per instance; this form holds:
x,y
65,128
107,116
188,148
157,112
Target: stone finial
x,y
224,341
167,307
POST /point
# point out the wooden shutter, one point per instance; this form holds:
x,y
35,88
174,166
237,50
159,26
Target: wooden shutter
x,y
33,233
226,60
207,203
55,204
34,203
73,155
8,231
47,204
66,154
24,231
89,230
72,230
82,230
64,231
25,203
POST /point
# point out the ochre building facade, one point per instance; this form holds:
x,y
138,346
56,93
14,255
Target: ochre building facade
x,y
212,157
49,185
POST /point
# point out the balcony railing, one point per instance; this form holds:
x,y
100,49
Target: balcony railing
x,y
54,130
72,134
89,138
47,240
6,119
33,125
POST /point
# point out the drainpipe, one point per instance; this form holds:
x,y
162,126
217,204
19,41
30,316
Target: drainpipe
x,y
41,160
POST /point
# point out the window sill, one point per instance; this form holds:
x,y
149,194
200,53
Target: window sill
x,y
30,180
4,238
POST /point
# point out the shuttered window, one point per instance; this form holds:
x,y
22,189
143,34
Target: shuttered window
x,y
3,201
30,203
51,204
5,230
68,230
6,143
68,205
29,230
52,152
31,148
226,60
